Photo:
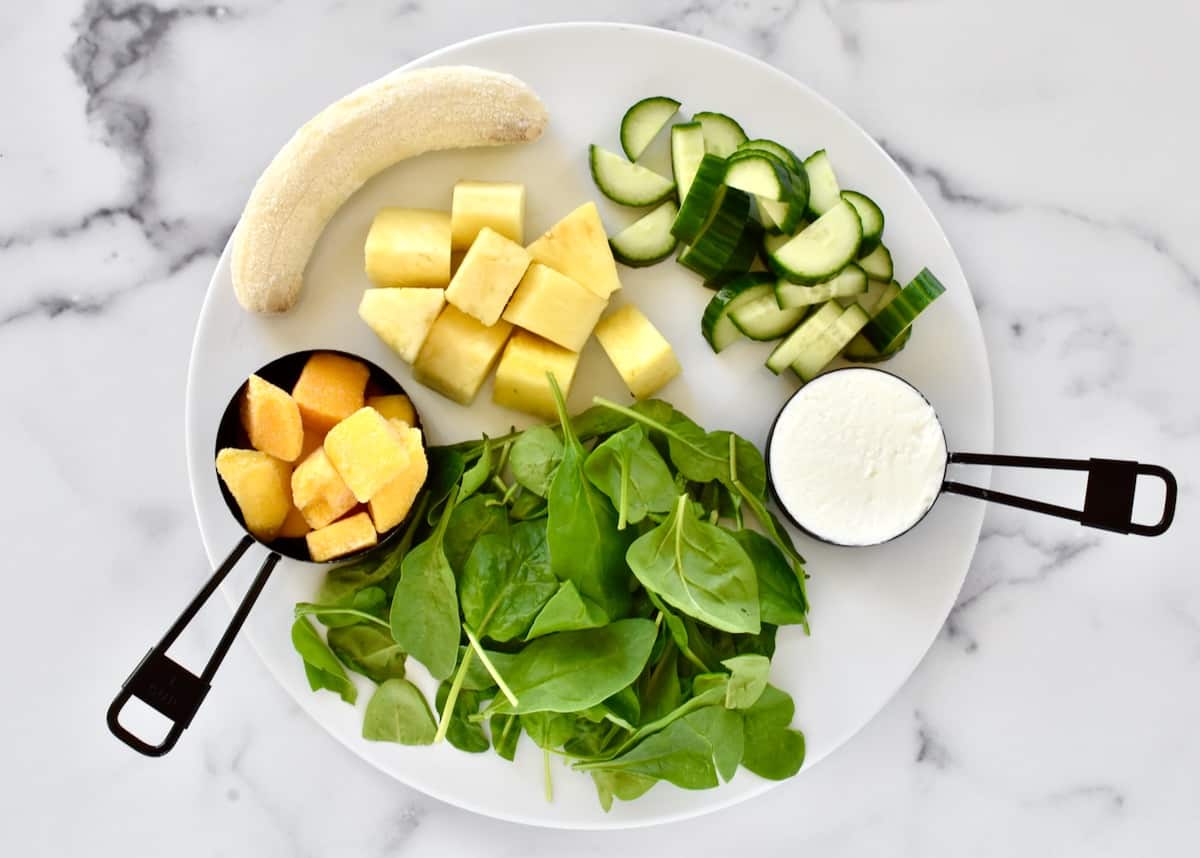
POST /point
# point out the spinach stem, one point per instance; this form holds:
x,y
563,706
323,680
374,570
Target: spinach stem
x,y
653,424
500,485
503,461
491,668
452,696
623,510
317,611
546,773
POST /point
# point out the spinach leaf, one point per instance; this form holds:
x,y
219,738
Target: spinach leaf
x,y
632,474
678,631
461,733
320,665
535,456
747,679
369,650
469,521
773,750
507,580
566,611
365,606
397,712
659,691
707,690
475,476
549,730
446,466
596,420
570,671
506,732
780,599
477,677
762,643
700,569
623,785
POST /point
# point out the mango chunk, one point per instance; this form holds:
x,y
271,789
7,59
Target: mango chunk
x,y
319,492
409,247
496,205
640,353
271,419
294,526
577,246
521,381
367,451
391,504
402,317
259,485
554,306
394,406
313,440
330,389
488,276
458,354
342,537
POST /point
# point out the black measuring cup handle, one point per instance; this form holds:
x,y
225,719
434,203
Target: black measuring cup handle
x,y
1108,498
168,687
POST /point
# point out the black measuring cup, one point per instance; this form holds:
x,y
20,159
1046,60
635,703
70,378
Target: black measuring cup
x,y
162,683
1108,497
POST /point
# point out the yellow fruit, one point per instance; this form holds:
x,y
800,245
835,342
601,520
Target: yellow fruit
x,y
499,205
391,504
577,246
271,419
459,354
259,484
488,276
402,317
367,451
342,537
330,389
319,492
394,406
409,247
521,381
554,306
640,353
294,526
313,439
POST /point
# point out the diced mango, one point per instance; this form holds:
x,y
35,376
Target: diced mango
x,y
402,317
259,485
521,381
577,246
394,406
319,492
367,451
498,205
409,247
488,276
342,537
313,440
271,419
458,354
554,306
640,353
330,389
391,504
294,526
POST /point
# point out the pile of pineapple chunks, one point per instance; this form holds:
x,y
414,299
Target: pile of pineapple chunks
x,y
326,462
532,308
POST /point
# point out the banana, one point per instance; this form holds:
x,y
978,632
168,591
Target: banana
x,y
401,115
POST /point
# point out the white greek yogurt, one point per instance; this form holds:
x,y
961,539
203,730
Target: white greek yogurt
x,y
857,456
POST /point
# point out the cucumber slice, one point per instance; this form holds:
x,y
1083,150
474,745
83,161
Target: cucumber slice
x,y
761,174
860,350
871,216
829,342
891,320
687,151
642,122
626,183
878,294
824,192
781,152
763,319
806,333
850,281
822,249
703,196
722,135
648,239
716,325
714,248
878,264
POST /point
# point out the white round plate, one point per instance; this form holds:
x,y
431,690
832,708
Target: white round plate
x,y
875,610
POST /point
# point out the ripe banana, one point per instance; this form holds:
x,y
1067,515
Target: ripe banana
x,y
401,115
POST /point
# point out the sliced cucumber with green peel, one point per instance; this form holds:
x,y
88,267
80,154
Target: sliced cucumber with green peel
x,y
703,196
829,342
891,320
878,264
716,325
878,294
716,245
871,216
722,135
850,281
627,183
781,152
860,350
642,122
799,339
759,173
823,248
763,319
648,239
824,192
687,151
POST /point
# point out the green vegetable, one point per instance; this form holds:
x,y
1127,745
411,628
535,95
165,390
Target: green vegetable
x,y
567,611
619,784
462,733
535,456
369,650
677,628
632,474
773,749
397,712
470,520
506,732
475,476
446,466
507,580
660,691
320,665
747,679
780,597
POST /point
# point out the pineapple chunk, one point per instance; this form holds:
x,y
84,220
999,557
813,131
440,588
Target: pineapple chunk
x,y
554,306
577,246
488,276
402,317
319,492
272,420
391,504
330,389
394,406
521,382
499,205
367,451
259,484
639,352
459,354
409,247
342,537
294,526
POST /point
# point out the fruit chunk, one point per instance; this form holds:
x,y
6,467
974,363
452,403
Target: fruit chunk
x,y
394,406
367,451
330,389
577,246
313,439
294,526
259,484
402,317
640,353
554,306
319,492
476,205
459,354
342,537
521,381
488,276
272,420
391,504
409,247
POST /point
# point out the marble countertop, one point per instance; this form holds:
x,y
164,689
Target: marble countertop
x,y
1057,711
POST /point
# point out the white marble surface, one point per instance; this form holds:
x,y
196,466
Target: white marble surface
x,y
1055,141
